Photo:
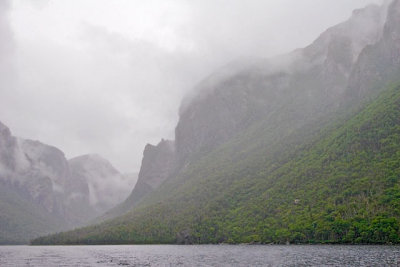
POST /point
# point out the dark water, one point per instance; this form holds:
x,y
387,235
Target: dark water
x,y
206,255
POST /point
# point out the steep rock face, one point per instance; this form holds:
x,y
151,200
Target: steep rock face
x,y
33,177
41,171
158,163
284,93
62,193
379,63
314,78
8,145
46,175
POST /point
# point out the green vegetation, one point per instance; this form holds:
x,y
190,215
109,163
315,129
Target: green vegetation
x,y
335,183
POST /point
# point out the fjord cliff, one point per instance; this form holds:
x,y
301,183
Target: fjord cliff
x,y
299,148
284,93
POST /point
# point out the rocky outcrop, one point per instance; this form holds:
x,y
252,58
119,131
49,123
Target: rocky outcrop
x,y
378,63
158,163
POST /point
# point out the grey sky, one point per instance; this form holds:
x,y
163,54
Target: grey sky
x,y
107,77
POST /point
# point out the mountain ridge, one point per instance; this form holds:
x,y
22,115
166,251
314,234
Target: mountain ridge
x,y
302,154
39,176
228,102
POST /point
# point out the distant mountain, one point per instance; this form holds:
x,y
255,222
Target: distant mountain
x,y
43,192
107,187
298,148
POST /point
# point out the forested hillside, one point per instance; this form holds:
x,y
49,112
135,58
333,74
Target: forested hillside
x,y
300,148
283,93
341,185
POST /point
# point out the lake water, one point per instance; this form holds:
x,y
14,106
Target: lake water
x,y
202,255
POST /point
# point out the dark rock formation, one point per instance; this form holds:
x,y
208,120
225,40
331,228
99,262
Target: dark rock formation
x,y
157,165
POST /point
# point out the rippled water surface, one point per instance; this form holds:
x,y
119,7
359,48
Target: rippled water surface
x,y
205,255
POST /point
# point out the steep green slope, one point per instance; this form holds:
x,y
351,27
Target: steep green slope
x,y
22,220
340,184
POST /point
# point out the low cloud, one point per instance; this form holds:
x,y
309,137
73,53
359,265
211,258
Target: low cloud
x,y
108,77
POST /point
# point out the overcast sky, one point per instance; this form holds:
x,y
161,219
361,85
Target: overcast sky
x,y
107,76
